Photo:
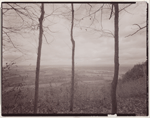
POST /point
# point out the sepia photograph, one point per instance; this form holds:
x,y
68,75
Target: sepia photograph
x,y
74,58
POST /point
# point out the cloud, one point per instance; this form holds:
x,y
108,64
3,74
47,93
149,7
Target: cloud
x,y
92,46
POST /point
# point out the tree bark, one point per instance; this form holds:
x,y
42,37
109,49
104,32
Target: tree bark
x,y
73,53
38,58
116,61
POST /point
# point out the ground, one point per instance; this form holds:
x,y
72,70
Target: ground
x,y
92,92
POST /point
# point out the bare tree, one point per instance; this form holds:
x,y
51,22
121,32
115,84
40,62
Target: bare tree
x,y
28,16
38,58
73,53
114,12
116,59
66,15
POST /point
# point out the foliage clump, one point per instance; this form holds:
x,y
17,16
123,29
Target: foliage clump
x,y
138,71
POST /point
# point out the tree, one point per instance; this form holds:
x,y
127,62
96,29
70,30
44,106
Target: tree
x,y
38,58
116,60
66,15
116,50
116,55
28,16
73,53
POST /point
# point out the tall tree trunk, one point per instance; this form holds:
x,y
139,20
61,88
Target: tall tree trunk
x,y
38,58
73,53
116,61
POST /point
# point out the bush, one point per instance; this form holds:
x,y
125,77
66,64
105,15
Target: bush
x,y
133,83
138,71
132,88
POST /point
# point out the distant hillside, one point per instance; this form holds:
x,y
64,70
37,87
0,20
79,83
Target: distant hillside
x,y
138,71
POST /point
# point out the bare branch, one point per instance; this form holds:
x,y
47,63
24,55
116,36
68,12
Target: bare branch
x,y
140,28
111,12
52,12
89,4
17,58
17,10
101,30
101,19
127,11
125,7
90,7
52,41
94,12
45,38
12,42
137,25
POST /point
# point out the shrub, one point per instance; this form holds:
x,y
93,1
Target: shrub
x,y
132,88
138,71
133,83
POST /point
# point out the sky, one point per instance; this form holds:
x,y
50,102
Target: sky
x,y
92,47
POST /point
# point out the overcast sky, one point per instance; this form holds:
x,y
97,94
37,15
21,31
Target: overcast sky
x,y
92,46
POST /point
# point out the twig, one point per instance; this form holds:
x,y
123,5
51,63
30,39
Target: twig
x,y
111,12
12,42
140,28
45,38
125,7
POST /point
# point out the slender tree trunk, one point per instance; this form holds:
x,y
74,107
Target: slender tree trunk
x,y
73,53
38,58
116,61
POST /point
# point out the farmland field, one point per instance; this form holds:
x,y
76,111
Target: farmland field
x,y
54,89
59,75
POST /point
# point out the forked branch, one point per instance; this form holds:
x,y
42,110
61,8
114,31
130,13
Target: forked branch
x,y
140,28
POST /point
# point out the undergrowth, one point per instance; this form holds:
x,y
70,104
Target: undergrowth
x,y
88,98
